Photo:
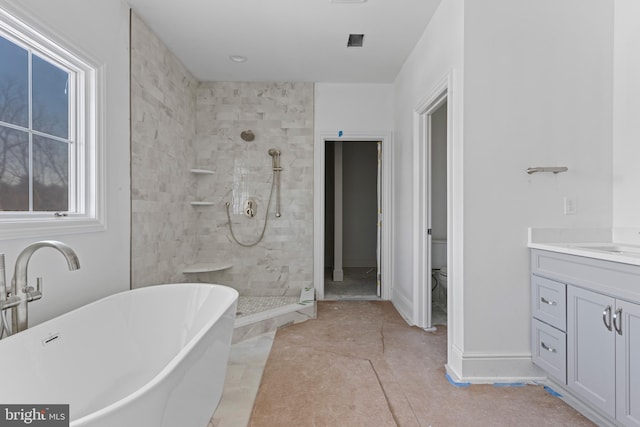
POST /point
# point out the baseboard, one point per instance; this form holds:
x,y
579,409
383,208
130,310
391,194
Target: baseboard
x,y
486,368
404,307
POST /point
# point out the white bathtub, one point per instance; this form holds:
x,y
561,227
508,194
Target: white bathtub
x,y
155,356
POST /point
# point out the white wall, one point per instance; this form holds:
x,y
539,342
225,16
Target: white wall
x,y
531,86
537,92
100,29
626,116
353,107
438,54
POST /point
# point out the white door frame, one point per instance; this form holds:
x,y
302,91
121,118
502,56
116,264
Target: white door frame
x,y
386,267
422,200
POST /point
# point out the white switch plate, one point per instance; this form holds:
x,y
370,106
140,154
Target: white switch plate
x,y
569,205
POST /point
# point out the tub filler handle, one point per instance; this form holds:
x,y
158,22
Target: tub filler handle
x,y
34,294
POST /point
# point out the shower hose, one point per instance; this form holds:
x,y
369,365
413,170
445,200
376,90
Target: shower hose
x,y
5,329
266,217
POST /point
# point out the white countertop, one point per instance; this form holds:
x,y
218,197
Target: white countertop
x,y
589,250
590,243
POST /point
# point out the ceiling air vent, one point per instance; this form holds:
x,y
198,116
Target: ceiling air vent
x,y
355,40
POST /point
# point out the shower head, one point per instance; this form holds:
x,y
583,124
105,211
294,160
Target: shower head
x,y
274,152
247,135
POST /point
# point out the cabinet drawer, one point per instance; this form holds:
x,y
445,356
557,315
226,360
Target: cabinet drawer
x,y
549,350
549,301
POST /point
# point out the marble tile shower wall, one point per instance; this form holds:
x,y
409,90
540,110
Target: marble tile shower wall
x,y
281,117
179,124
163,97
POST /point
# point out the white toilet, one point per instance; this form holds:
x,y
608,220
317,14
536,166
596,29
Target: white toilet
x,y
439,270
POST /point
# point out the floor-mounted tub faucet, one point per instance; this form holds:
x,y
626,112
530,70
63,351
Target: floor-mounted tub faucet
x,y
21,293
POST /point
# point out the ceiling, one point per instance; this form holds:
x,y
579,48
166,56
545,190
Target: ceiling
x,y
288,40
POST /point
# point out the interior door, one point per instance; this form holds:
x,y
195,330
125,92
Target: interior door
x,y
429,238
379,222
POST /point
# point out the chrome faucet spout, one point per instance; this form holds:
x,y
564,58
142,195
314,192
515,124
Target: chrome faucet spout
x,y
22,262
19,285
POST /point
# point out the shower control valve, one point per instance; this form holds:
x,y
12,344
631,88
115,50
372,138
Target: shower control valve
x,y
250,208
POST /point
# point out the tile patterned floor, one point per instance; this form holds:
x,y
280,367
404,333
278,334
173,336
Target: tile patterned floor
x,y
244,372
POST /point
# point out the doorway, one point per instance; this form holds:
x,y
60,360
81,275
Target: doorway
x,y
438,203
385,213
432,205
352,203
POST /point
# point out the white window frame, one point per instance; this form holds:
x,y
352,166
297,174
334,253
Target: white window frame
x,y
86,162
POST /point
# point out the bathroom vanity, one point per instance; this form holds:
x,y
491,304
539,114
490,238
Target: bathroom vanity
x,y
585,326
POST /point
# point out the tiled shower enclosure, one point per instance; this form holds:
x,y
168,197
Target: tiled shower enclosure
x,y
179,124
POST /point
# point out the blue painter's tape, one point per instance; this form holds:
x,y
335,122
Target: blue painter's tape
x,y
340,133
551,391
455,384
518,384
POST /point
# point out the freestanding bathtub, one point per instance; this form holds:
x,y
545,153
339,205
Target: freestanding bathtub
x,y
154,356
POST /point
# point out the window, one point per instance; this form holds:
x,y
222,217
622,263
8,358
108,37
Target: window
x,y
35,142
48,134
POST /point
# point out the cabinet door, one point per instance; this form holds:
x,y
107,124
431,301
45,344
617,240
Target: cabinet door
x,y
591,348
628,364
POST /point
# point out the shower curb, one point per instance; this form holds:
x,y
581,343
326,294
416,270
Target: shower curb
x,y
252,325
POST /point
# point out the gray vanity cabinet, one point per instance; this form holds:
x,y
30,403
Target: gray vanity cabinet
x,y
602,331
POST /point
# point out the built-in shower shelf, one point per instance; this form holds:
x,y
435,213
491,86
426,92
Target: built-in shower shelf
x,y
201,172
201,203
206,267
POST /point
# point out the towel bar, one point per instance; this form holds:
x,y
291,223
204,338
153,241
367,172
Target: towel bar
x,y
554,169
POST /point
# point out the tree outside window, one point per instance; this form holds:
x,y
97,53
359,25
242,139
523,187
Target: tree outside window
x,y
35,133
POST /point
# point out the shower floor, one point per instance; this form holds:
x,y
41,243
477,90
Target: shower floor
x,y
257,315
252,305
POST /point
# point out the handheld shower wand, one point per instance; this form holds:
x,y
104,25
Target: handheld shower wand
x,y
275,157
275,161
274,152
